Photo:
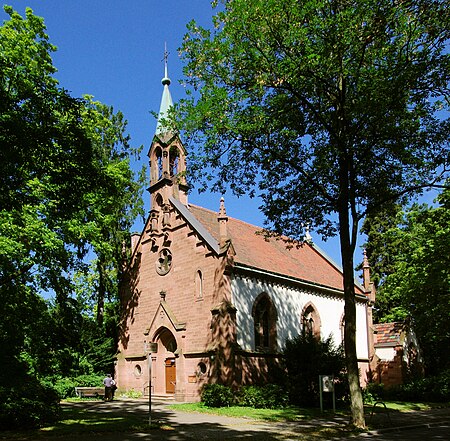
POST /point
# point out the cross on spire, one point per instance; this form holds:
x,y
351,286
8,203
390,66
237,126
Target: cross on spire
x,y
165,59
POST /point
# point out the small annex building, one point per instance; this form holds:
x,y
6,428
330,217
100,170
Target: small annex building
x,y
397,354
213,300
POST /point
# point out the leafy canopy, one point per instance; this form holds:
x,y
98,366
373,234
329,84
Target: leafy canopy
x,y
325,107
290,95
415,284
66,190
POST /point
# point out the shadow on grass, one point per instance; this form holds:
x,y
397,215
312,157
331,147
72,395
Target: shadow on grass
x,y
128,421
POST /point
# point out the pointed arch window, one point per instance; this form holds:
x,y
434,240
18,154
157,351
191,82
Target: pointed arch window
x,y
157,164
174,160
265,323
311,321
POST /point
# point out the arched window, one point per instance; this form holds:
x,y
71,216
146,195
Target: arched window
x,y
199,284
311,321
342,327
174,159
265,323
157,165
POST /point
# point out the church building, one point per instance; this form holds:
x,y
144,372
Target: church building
x,y
207,299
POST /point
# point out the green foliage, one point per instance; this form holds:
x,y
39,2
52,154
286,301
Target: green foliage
x,y
217,395
373,392
131,393
327,109
65,387
306,358
434,389
270,396
27,404
416,284
66,190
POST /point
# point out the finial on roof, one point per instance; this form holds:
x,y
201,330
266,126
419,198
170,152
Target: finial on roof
x,y
166,79
365,259
308,237
222,218
222,210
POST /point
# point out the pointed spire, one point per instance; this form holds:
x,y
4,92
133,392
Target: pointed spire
x,y
307,237
366,271
222,210
222,218
166,100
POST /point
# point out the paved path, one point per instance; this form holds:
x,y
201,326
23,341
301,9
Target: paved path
x,y
177,426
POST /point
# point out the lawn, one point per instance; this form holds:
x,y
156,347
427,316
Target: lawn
x,y
292,413
92,417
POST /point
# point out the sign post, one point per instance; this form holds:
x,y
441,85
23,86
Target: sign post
x,y
149,388
149,348
326,384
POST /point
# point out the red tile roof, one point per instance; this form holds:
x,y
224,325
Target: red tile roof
x,y
254,250
388,334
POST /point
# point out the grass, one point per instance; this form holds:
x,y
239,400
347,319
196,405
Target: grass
x,y
290,413
293,413
90,417
88,420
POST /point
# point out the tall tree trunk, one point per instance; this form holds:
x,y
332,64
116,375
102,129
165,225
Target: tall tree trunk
x,y
347,251
101,291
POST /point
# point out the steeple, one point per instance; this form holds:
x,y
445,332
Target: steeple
x,y
166,100
167,163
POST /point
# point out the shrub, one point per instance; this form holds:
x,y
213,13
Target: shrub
x,y
373,392
217,395
434,389
65,387
270,396
27,405
307,357
131,393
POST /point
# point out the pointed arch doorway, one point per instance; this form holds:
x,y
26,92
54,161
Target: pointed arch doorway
x,y
166,372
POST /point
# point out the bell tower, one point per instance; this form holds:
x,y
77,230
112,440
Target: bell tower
x,y
167,157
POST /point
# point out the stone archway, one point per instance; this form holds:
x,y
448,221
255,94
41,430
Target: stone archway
x,y
164,362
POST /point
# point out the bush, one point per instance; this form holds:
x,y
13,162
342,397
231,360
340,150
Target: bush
x,y
131,393
270,396
373,392
65,387
306,358
28,405
217,395
434,389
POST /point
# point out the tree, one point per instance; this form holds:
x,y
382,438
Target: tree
x,y
327,107
416,284
66,188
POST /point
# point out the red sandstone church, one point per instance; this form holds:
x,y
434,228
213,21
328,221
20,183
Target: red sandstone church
x,y
213,300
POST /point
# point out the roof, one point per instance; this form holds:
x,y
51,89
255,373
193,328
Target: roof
x,y
253,250
388,334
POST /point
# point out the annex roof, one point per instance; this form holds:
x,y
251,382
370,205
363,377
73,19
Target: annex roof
x,y
388,334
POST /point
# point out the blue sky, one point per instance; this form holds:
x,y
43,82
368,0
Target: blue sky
x,y
114,49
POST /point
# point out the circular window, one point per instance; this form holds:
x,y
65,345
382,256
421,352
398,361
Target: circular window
x,y
137,370
164,262
201,368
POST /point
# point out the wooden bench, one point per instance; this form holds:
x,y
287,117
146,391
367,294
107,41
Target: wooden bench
x,y
90,391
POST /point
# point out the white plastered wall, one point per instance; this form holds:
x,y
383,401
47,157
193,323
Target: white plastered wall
x,y
289,303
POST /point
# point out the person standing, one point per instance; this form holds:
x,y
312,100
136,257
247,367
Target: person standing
x,y
108,382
